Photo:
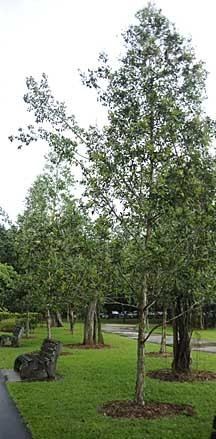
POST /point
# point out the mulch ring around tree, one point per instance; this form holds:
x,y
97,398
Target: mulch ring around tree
x,y
86,346
194,375
159,354
151,410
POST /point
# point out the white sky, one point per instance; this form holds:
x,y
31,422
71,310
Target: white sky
x,y
58,37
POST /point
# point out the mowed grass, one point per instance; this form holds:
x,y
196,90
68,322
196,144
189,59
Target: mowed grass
x,y
198,334
68,408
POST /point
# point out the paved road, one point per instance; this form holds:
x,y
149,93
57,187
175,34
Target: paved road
x,y
131,332
11,424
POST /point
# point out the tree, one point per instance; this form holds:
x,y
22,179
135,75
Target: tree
x,y
186,245
156,139
51,244
39,240
9,281
7,237
98,276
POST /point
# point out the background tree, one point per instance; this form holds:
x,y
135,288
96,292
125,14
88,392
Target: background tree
x,y
98,277
39,241
9,281
7,238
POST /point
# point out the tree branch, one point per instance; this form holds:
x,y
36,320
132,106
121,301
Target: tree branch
x,y
170,320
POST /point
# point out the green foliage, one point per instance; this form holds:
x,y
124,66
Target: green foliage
x,y
7,235
150,168
8,320
9,280
51,243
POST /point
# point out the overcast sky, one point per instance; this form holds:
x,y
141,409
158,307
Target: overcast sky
x,y
58,37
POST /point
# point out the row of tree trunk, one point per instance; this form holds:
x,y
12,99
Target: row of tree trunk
x,y
92,325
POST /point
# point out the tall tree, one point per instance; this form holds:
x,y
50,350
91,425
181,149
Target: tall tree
x,y
143,163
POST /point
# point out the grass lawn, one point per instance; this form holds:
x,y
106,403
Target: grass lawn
x,y
68,408
208,334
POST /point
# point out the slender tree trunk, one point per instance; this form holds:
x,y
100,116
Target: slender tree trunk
x,y
71,318
142,313
68,317
59,322
95,328
57,319
100,334
27,325
182,332
163,335
88,338
139,389
49,324
53,320
147,322
201,319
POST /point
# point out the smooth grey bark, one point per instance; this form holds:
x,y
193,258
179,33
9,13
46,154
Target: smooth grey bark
x,y
71,318
59,322
27,325
88,338
49,324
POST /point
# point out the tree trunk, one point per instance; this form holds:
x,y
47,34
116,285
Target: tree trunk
x,y
88,338
59,322
71,318
49,323
95,327
53,320
27,325
139,389
182,332
163,335
68,317
100,334
147,323
201,319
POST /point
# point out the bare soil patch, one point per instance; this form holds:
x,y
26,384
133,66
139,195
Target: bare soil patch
x,y
168,375
87,346
151,410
